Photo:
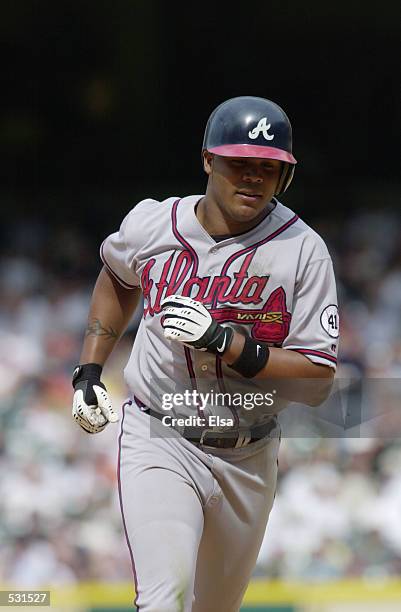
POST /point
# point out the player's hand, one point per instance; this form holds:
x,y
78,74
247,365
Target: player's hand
x,y
91,407
188,321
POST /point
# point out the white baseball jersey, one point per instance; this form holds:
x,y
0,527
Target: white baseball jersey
x,y
275,282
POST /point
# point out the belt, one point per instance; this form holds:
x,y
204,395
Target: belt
x,y
227,439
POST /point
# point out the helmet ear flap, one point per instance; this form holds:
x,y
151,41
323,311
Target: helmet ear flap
x,y
285,179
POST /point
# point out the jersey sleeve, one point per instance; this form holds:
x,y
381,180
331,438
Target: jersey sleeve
x,y
314,328
119,250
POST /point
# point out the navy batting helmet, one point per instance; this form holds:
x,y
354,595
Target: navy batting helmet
x,y
252,127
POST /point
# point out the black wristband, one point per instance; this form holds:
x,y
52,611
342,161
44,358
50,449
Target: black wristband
x,y
253,358
216,340
84,377
92,371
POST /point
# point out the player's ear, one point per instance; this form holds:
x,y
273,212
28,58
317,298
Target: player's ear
x,y
207,161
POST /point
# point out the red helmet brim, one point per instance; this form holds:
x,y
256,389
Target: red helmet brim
x,y
246,150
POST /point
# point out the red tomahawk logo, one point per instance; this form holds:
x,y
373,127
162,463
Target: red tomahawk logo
x,y
268,325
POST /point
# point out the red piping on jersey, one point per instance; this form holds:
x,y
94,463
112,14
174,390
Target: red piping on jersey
x,y
181,239
222,386
229,261
128,403
190,367
192,374
120,280
315,353
280,230
195,262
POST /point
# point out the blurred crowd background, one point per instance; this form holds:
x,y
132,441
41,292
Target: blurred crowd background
x,y
339,500
105,104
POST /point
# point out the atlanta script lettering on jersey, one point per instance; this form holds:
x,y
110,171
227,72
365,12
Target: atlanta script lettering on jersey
x,y
270,320
239,288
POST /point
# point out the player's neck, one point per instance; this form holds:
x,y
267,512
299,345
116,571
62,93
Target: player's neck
x,y
212,218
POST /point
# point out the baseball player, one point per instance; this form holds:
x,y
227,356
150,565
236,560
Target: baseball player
x,y
237,289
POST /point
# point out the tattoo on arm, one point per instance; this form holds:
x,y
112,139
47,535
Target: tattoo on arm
x,y
95,328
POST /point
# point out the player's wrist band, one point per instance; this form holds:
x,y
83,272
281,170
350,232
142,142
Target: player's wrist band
x,y
253,358
221,338
87,371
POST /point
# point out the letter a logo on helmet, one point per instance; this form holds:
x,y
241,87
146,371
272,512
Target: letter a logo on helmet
x,y
261,127
248,126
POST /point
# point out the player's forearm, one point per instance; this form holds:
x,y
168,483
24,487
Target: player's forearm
x,y
282,363
298,379
110,311
302,380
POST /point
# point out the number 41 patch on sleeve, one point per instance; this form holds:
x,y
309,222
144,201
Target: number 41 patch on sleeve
x,y
329,320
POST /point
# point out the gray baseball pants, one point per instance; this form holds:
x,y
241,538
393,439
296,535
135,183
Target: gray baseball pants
x,y
194,518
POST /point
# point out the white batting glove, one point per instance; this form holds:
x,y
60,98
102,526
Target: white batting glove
x,y
188,321
91,406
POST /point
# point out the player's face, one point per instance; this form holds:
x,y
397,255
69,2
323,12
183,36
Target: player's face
x,y
242,186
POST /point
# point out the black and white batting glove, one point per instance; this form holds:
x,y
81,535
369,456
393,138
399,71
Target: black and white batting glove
x,y
189,322
91,406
